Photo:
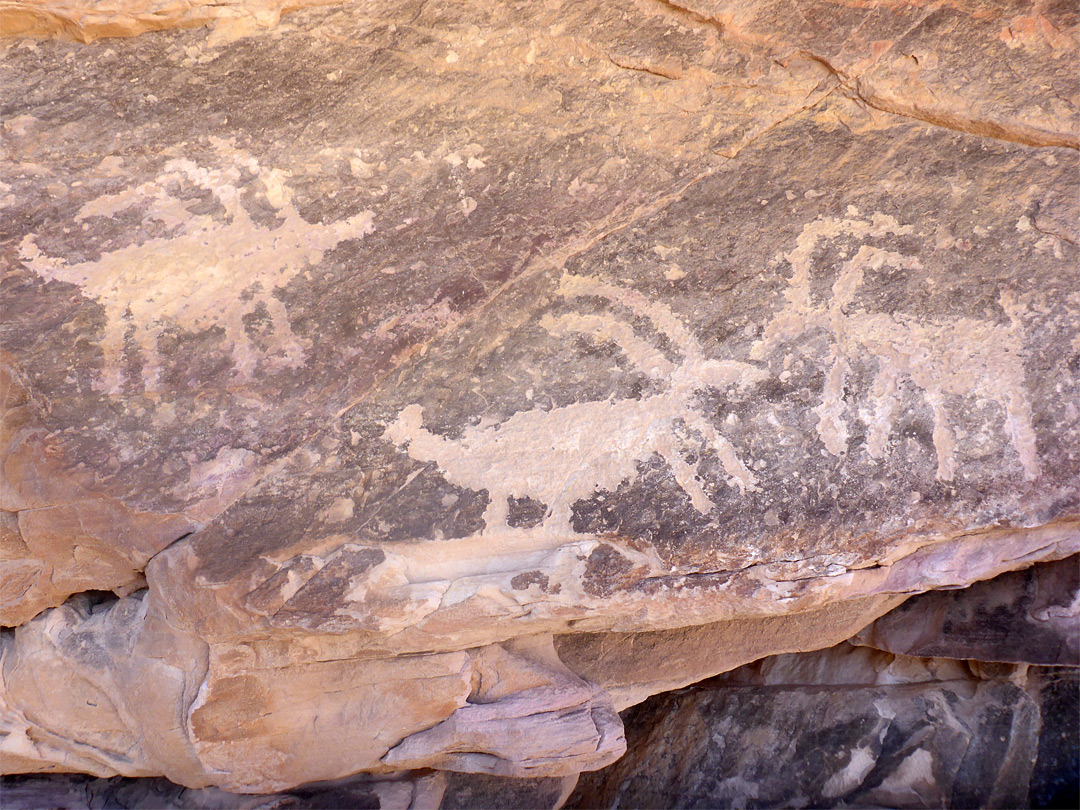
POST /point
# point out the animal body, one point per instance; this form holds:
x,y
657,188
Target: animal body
x,y
563,455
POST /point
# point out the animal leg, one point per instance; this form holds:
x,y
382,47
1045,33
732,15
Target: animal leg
x,y
244,355
496,512
151,371
687,478
112,347
560,515
885,395
1022,435
944,438
745,480
831,426
283,332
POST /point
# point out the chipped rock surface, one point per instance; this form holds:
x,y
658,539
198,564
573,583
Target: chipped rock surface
x,y
430,381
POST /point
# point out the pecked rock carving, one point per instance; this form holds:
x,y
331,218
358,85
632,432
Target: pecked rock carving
x,y
211,275
622,392
961,358
565,454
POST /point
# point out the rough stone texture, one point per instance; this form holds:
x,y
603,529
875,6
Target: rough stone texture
x,y
267,717
473,792
1028,617
423,790
851,727
407,791
402,366
87,20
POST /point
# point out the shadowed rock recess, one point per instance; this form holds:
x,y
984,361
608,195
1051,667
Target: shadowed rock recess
x,y
406,403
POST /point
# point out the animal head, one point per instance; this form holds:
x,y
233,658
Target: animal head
x,y
693,372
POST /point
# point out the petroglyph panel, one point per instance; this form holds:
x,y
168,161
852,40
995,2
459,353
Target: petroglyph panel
x,y
654,324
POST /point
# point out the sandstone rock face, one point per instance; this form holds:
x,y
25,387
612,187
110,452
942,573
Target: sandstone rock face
x,y
633,666
430,381
850,727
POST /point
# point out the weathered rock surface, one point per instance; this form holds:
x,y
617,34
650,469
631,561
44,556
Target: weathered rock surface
x,y
851,727
87,20
424,790
1027,617
431,380
266,717
633,666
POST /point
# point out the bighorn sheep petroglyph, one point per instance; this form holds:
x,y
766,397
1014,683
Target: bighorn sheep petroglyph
x,y
565,454
964,357
210,275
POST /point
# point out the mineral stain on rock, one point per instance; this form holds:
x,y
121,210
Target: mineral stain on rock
x,y
526,578
604,570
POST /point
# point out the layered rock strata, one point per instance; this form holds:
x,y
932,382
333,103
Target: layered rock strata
x,y
1027,617
430,381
